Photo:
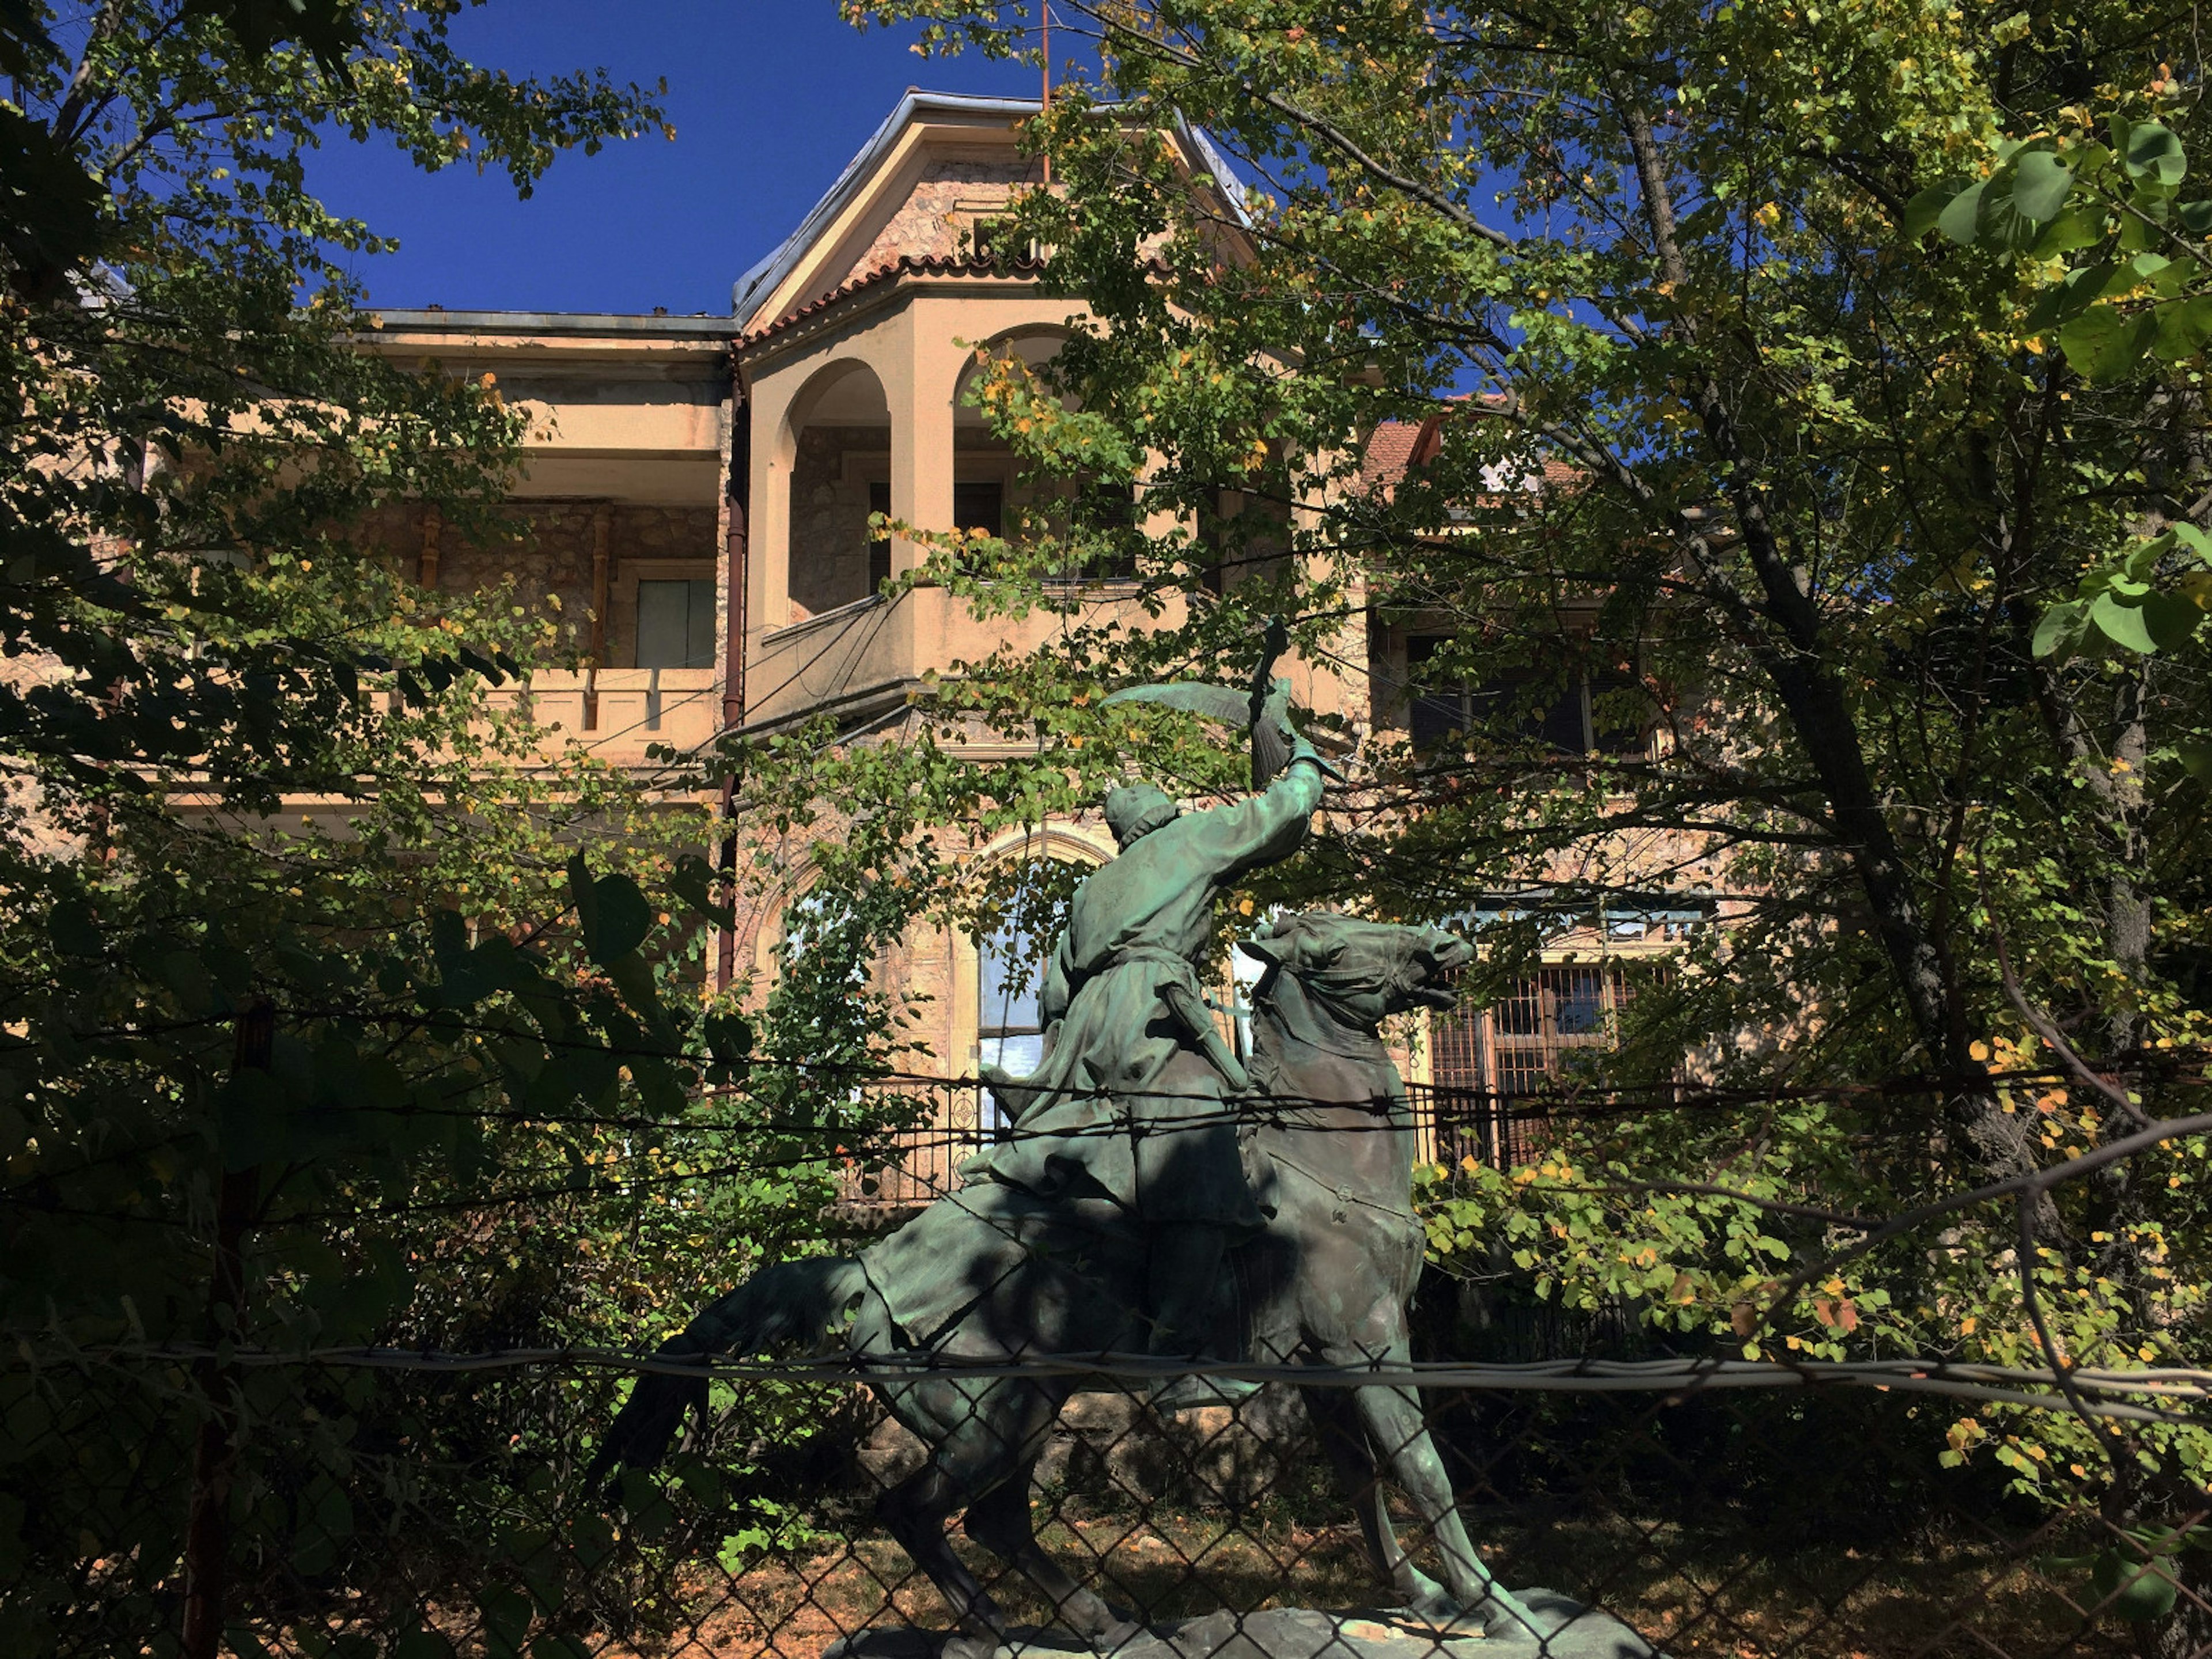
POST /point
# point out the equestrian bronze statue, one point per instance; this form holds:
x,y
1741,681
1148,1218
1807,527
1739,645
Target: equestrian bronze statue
x,y
1156,1190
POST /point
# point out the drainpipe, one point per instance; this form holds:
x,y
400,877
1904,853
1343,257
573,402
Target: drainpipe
x,y
737,562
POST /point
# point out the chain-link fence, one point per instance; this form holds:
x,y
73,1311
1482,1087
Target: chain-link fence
x,y
942,1123
420,1505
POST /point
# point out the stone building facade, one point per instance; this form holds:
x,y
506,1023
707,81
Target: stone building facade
x,y
696,505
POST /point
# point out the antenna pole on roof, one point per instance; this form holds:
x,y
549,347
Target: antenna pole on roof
x,y
1044,30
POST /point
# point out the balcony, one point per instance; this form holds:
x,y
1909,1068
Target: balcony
x,y
617,712
856,660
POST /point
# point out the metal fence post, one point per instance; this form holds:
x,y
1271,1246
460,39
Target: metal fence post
x,y
207,1528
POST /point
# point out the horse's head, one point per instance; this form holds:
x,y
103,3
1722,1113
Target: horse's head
x,y
1359,972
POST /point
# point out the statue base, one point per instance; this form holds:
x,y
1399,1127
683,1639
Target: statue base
x,y
1573,1631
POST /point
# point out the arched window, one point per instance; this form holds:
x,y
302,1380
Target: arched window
x,y
1009,1019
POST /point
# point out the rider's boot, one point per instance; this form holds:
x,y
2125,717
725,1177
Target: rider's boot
x,y
1185,1265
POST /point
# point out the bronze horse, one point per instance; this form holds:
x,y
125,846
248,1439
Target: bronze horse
x,y
990,1274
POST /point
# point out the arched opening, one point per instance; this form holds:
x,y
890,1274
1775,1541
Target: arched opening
x,y
987,492
1011,962
841,472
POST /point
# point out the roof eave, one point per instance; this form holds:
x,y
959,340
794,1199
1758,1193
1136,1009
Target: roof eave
x,y
388,320
768,275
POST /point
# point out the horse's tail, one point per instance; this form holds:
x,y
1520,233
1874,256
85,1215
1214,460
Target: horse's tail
x,y
803,1301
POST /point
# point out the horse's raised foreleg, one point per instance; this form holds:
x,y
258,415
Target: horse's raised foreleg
x,y
1000,1522
1400,1434
1336,1419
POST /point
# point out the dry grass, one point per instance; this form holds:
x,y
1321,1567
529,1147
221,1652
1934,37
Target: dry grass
x,y
1933,1596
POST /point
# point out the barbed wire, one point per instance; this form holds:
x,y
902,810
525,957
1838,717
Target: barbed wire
x,y
875,1146
2170,1064
2115,1393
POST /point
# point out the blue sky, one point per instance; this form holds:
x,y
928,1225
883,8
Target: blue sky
x,y
769,99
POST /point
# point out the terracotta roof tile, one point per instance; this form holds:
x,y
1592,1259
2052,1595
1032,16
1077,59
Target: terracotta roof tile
x,y
907,264
1396,446
1389,449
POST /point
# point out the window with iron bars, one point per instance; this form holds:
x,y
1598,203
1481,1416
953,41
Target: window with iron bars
x,y
1575,710
1483,1060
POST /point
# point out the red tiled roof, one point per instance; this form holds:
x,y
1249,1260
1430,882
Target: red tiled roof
x,y
907,264
1394,446
1389,450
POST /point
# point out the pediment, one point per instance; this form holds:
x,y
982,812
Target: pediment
x,y
912,198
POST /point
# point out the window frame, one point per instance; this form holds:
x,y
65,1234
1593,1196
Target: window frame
x,y
1580,683
631,574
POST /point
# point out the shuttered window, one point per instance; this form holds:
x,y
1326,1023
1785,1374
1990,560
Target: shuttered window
x,y
675,624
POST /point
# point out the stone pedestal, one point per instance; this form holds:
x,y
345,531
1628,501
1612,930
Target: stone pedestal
x,y
1574,1631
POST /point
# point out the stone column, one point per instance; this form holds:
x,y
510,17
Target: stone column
x,y
602,526
425,561
919,389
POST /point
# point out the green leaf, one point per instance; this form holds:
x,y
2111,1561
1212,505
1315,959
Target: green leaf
x,y
185,975
632,977
2134,234
2166,277
2183,328
73,929
329,29
2153,151
2077,227
694,882
462,983
2140,566
507,1615
612,912
2195,755
621,919
728,1037
2058,631
1922,212
2197,541
1960,217
53,223
2196,217
2123,623
2171,620
2137,1592
2041,183
2104,344
2071,297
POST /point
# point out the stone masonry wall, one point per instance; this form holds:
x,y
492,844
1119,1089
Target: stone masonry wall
x,y
925,224
829,517
549,557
